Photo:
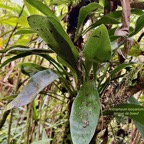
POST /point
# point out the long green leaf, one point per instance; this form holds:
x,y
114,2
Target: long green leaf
x,y
98,47
103,20
85,114
133,111
84,12
51,31
14,58
42,8
36,84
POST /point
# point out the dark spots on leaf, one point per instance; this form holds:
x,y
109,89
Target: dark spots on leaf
x,y
42,30
51,31
85,123
37,29
96,36
87,104
86,94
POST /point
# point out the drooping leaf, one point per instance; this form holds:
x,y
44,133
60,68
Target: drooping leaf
x,y
36,84
103,20
84,12
85,114
133,111
18,49
42,8
98,46
14,58
51,31
139,25
30,68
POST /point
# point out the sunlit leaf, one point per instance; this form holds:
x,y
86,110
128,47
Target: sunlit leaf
x,y
98,47
42,8
36,84
85,114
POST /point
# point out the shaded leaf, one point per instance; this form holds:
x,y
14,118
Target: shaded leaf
x,y
84,12
98,47
36,84
133,111
54,35
85,114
